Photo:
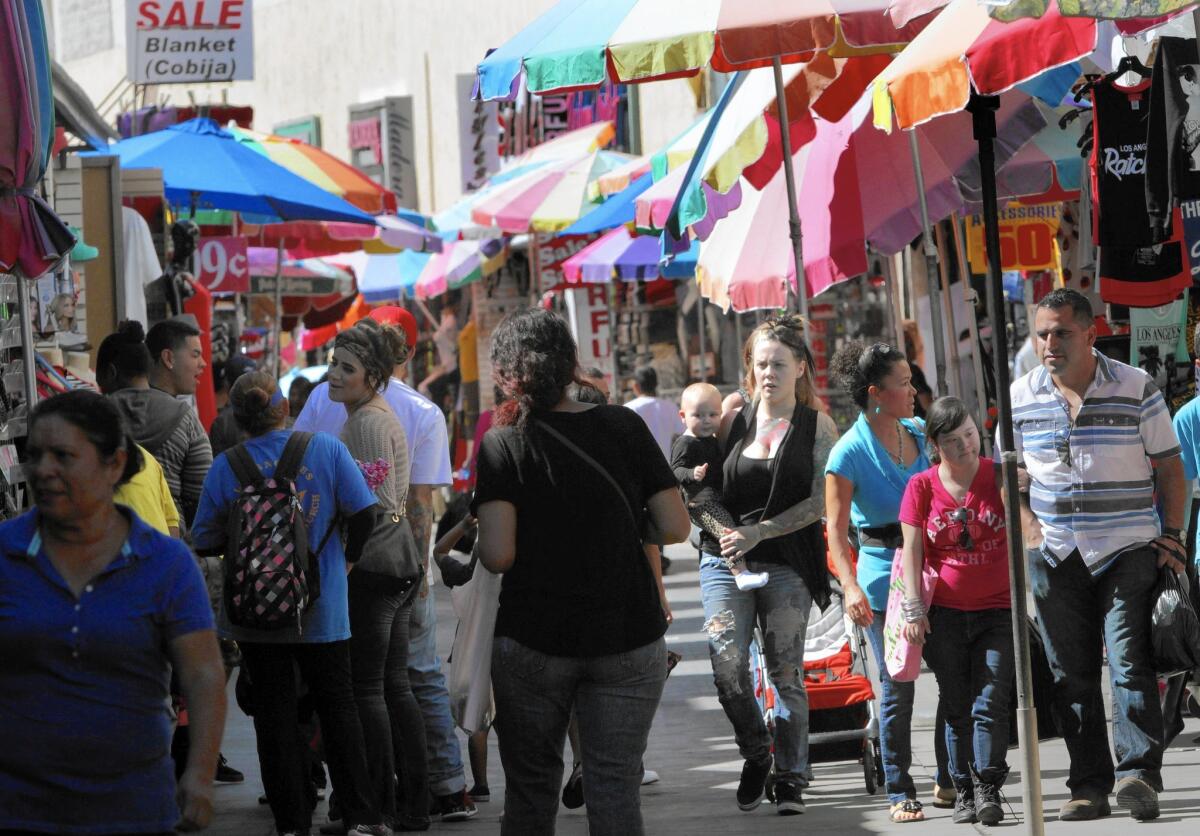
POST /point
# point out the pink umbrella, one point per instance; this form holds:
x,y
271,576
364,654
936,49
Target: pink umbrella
x,y
32,238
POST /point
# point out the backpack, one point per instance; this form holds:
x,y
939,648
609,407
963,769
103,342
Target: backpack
x,y
271,575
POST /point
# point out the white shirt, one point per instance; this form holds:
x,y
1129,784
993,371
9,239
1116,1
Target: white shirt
x,y
662,417
1026,359
424,428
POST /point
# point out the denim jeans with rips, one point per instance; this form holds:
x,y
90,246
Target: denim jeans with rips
x,y
1082,616
971,654
429,685
614,698
781,609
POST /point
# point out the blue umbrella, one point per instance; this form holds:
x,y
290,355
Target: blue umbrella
x,y
616,211
204,164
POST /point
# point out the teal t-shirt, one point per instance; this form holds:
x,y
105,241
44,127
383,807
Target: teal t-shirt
x,y
1187,427
878,488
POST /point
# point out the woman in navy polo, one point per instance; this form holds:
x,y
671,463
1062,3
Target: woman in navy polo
x,y
95,609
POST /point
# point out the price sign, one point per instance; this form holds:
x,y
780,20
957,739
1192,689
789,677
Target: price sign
x,y
1027,239
222,266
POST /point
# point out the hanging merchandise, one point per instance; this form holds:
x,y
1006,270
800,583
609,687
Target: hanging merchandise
x,y
1138,267
1158,340
1173,138
1078,256
141,263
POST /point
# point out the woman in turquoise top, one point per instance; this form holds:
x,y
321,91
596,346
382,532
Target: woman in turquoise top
x,y
865,478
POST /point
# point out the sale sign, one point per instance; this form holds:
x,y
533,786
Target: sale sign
x,y
222,266
550,253
1027,238
189,41
587,314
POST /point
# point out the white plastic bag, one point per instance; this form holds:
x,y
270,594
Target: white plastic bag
x,y
470,685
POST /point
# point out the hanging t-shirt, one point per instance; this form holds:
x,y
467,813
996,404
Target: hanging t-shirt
x,y
1173,136
1145,277
1118,165
1156,334
964,541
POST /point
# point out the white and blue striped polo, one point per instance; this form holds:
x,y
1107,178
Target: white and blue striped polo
x,y
1091,481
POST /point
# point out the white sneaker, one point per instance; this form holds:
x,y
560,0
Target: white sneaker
x,y
649,776
751,580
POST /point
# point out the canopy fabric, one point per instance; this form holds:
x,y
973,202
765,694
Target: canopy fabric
x,y
1105,9
383,278
389,233
618,210
202,161
580,44
627,257
547,199
964,47
264,261
321,169
33,239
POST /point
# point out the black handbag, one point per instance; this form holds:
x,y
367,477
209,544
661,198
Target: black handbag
x,y
391,555
1174,627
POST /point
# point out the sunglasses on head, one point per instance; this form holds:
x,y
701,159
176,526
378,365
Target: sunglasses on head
x,y
962,517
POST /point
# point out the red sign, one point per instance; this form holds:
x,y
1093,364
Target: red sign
x,y
551,253
222,266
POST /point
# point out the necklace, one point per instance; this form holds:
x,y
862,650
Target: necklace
x,y
899,444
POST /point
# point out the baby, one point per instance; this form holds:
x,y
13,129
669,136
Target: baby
x,y
696,460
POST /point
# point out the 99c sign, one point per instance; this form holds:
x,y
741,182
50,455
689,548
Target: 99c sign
x,y
1027,236
222,265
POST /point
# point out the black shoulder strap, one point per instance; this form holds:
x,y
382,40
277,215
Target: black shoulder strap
x,y
244,469
292,455
599,468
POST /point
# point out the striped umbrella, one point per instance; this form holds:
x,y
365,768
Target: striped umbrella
x,y
548,199
320,168
619,254
1103,9
383,278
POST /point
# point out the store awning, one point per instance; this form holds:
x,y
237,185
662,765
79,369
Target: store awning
x,y
75,111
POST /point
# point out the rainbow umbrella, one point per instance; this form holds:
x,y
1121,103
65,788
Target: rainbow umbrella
x,y
548,199
320,168
619,254
32,237
384,278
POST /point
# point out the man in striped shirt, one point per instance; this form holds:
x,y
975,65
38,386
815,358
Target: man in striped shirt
x,y
1095,438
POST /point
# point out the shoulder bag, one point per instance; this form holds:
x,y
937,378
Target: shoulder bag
x,y
392,554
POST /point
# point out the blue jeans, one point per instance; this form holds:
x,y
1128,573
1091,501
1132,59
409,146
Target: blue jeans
x,y
1077,612
429,685
614,698
895,721
971,654
781,609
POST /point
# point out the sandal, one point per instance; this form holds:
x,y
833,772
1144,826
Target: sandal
x,y
908,810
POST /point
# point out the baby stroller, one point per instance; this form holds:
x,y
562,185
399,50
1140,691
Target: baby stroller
x,y
843,718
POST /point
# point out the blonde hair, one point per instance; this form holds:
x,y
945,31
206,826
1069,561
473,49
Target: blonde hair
x,y
698,391
787,329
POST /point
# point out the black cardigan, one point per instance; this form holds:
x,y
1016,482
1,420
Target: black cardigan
x,y
803,549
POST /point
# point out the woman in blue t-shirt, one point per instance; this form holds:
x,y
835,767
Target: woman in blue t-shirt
x,y
329,486
865,478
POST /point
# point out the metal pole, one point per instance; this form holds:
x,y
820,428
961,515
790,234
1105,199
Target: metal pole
x,y
28,354
700,323
983,111
973,324
634,104
278,309
932,279
789,177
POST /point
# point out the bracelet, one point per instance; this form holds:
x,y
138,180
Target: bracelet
x,y
913,609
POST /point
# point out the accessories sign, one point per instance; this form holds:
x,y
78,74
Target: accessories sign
x,y
189,41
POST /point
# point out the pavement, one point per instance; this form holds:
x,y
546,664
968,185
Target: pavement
x,y
691,747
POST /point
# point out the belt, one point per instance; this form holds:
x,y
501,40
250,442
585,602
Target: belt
x,y
887,536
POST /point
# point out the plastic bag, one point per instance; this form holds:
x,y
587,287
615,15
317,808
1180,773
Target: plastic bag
x,y
1174,627
903,659
470,684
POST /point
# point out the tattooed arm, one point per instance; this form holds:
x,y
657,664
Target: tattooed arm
x,y
418,509
803,514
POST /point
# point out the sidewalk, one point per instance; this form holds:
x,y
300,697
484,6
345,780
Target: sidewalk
x,y
692,749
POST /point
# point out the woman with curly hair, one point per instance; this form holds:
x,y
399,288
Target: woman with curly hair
x,y
866,475
580,626
774,451
381,607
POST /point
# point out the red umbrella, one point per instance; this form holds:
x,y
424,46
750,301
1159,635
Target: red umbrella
x,y
32,238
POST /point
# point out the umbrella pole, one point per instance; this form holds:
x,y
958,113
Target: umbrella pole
x,y
932,277
278,309
956,384
789,177
983,112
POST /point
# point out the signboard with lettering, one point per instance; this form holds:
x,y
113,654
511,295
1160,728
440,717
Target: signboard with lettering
x,y
551,253
587,314
189,41
478,136
1026,238
307,130
383,147
222,264
298,285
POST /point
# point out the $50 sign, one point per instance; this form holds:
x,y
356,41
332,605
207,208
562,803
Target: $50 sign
x,y
1027,236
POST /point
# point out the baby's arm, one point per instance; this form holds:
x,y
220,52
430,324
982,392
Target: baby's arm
x,y
685,458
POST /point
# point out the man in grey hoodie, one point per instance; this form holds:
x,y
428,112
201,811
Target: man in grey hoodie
x,y
166,426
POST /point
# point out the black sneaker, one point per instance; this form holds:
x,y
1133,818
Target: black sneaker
x,y
480,793
787,799
988,799
752,787
457,806
572,794
226,774
964,806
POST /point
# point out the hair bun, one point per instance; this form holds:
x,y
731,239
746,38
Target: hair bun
x,y
131,331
